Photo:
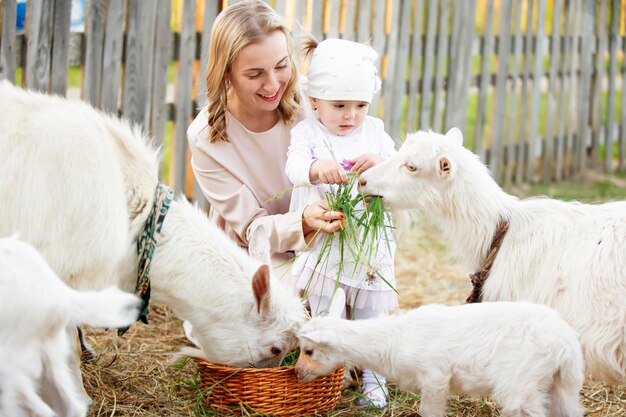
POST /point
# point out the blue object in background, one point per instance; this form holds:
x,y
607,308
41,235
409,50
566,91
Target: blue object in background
x,y
21,15
77,19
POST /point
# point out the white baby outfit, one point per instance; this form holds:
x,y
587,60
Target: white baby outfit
x,y
364,287
344,71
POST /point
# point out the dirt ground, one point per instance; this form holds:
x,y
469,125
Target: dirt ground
x,y
134,375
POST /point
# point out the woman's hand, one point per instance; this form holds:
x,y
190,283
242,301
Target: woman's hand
x,y
328,171
365,162
317,217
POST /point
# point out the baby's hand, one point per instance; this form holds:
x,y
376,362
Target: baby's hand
x,y
365,162
327,171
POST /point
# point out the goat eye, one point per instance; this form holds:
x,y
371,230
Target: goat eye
x,y
276,350
308,352
409,166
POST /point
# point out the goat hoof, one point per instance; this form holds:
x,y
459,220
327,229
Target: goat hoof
x,y
87,352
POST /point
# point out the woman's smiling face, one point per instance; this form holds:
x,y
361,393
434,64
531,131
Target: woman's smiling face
x,y
260,72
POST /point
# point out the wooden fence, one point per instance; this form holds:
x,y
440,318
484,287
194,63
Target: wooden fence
x,y
551,108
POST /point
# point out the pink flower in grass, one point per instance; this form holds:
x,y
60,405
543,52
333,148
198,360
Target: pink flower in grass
x,y
347,165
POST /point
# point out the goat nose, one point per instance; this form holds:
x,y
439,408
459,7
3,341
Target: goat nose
x,y
362,182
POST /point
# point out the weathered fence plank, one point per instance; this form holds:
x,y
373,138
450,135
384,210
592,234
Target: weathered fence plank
x,y
162,46
8,59
428,63
596,87
317,28
39,45
573,93
621,160
548,154
416,62
95,23
522,139
211,9
379,40
512,145
440,70
485,70
112,56
138,60
395,85
563,114
350,11
184,111
499,101
334,13
534,141
610,120
60,46
459,68
586,55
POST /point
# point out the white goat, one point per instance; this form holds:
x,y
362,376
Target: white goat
x,y
567,255
522,354
36,309
79,186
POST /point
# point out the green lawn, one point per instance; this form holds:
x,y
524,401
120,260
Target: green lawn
x,y
592,189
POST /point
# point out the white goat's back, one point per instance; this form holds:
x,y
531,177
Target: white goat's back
x,y
64,152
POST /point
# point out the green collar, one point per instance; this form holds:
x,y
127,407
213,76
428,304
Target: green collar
x,y
146,245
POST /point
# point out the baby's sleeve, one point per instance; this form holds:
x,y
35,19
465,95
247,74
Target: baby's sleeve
x,y
300,154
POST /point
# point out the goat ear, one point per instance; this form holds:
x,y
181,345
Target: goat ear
x,y
338,304
455,135
261,289
445,167
259,245
321,337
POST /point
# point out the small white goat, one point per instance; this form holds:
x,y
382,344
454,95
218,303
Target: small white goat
x,y
523,355
567,255
80,185
36,311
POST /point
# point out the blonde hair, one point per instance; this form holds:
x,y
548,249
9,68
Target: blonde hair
x,y
236,27
306,45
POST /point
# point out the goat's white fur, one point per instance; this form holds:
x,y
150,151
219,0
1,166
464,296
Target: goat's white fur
x,y
81,186
36,311
522,354
567,255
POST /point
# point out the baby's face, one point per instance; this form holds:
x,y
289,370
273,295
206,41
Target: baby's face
x,y
341,117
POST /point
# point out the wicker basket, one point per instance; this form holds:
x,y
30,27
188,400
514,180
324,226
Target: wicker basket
x,y
274,391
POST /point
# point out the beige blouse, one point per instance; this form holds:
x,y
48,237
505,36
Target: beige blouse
x,y
241,179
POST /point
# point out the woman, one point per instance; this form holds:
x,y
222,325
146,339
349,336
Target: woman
x,y
239,141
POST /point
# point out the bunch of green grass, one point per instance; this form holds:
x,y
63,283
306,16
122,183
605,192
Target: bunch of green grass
x,y
291,358
365,225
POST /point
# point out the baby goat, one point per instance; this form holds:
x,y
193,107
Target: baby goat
x,y
522,354
37,312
